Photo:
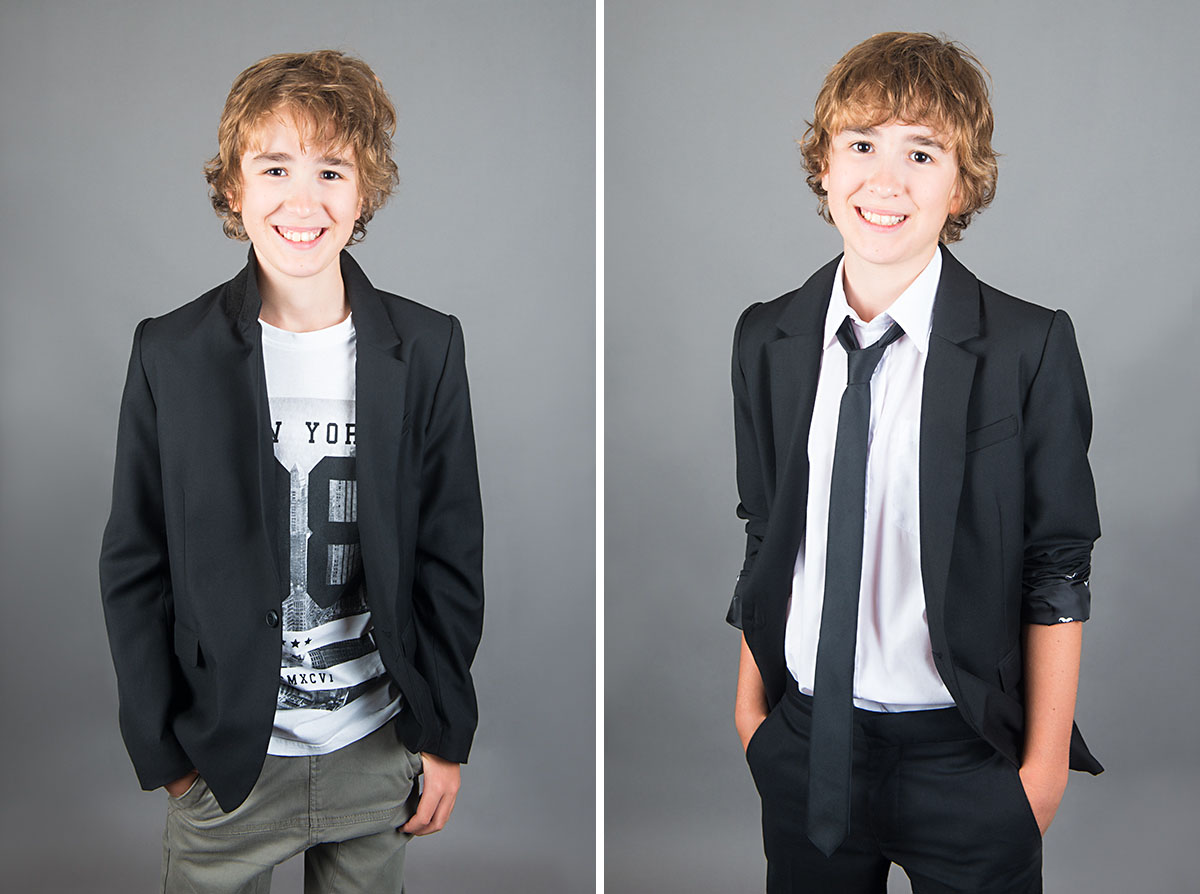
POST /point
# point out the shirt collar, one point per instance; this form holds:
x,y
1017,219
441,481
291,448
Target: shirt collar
x,y
913,309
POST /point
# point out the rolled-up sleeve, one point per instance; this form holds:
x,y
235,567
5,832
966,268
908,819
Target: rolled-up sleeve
x,y
752,505
1061,519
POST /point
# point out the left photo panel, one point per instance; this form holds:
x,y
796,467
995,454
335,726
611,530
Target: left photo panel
x,y
300,352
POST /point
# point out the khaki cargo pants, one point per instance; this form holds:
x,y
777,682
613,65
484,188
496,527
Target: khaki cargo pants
x,y
341,809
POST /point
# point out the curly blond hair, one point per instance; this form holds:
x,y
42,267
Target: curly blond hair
x,y
915,79
335,100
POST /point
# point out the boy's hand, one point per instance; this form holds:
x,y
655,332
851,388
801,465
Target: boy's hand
x,y
1044,787
440,788
181,785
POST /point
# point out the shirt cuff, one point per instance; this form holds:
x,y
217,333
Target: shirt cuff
x,y
734,615
1058,602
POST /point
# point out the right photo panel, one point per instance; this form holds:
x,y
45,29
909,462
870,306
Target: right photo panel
x,y
902,447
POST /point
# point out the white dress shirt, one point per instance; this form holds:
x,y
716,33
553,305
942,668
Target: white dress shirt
x,y
893,660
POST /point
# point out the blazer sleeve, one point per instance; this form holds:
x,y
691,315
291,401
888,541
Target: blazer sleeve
x,y
135,588
1061,519
752,505
448,586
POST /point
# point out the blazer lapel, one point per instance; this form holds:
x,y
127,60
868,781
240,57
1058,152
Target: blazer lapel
x,y
794,362
380,378
251,410
949,375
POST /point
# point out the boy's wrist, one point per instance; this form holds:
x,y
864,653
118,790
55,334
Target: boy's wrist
x,y
747,723
1047,760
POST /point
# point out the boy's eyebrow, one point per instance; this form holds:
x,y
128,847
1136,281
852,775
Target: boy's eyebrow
x,y
327,160
929,141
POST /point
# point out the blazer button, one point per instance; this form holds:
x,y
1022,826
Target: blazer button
x,y
272,618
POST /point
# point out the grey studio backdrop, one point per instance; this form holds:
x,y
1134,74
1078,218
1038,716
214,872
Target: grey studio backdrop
x,y
109,111
707,211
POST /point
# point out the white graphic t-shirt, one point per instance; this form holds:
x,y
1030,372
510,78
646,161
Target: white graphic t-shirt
x,y
333,689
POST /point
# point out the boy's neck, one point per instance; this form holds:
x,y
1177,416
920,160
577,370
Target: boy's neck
x,y
302,305
872,288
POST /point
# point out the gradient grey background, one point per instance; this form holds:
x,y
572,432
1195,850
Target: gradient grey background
x,y
108,112
707,211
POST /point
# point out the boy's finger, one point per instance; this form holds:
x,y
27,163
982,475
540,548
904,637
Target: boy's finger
x,y
426,809
442,815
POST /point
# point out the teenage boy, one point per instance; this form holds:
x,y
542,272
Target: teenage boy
x,y
292,570
920,514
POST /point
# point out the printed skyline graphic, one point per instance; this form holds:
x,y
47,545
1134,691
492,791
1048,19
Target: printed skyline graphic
x,y
328,655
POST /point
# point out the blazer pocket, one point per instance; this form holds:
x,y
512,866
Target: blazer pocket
x,y
187,646
992,433
1009,670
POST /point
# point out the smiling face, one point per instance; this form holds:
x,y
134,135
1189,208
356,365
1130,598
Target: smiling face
x,y
890,189
298,204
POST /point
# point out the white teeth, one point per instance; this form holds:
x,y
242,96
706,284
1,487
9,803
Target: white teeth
x,y
299,236
883,220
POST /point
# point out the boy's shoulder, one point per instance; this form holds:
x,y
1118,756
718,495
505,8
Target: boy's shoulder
x,y
799,310
188,320
1016,327
412,317
1008,312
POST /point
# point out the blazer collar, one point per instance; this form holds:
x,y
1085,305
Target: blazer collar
x,y
955,307
243,303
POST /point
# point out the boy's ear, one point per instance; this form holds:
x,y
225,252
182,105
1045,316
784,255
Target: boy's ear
x,y
956,196
235,205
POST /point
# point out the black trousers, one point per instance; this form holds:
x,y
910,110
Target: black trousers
x,y
927,793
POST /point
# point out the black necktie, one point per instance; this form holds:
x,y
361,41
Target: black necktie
x,y
831,751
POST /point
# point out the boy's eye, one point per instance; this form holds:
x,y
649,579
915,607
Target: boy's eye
x,y
922,157
331,175
274,172
861,146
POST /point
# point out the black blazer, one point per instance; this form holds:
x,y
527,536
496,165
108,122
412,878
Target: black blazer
x,y
1008,508
193,568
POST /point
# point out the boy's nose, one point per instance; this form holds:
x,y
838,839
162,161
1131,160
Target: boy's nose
x,y
300,198
885,181
885,187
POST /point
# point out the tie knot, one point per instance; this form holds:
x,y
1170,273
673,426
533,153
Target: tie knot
x,y
861,362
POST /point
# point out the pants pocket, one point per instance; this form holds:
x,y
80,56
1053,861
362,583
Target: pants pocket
x,y
415,762
758,748
187,791
1021,798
